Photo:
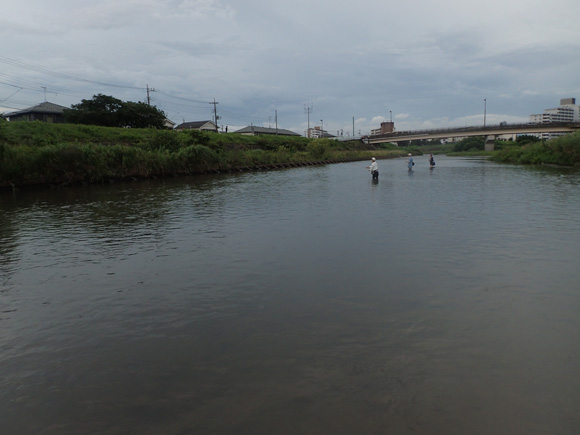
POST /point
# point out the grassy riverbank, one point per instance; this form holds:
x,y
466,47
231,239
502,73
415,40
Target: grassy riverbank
x,y
34,153
561,151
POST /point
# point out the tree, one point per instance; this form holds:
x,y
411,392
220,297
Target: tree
x,y
527,139
108,111
470,144
141,115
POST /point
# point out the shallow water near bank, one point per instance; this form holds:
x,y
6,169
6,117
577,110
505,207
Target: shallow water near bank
x,y
305,300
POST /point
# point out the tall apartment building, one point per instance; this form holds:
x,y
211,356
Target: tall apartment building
x,y
567,111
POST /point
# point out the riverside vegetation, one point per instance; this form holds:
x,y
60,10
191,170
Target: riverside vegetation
x,y
36,153
527,150
561,151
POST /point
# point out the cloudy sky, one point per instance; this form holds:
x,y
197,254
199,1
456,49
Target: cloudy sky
x,y
424,63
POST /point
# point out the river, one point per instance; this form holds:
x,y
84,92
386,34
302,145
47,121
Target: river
x,y
296,301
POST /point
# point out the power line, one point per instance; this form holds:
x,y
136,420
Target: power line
x,y
11,95
40,69
182,98
32,86
36,84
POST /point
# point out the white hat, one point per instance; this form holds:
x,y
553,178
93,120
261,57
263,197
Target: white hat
x,y
373,158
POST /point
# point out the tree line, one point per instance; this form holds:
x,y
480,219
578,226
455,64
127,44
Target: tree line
x,y
108,111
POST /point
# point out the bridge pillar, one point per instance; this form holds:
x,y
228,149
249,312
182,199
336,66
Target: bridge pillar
x,y
489,143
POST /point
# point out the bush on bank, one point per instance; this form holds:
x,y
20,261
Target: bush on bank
x,y
563,151
39,153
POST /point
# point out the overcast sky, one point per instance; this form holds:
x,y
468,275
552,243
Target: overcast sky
x,y
424,63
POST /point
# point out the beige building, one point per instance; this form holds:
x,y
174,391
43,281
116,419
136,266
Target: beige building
x,y
316,132
567,111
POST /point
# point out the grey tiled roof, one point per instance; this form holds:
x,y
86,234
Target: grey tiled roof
x,y
45,107
192,125
266,130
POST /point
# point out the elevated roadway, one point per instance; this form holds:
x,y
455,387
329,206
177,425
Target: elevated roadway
x,y
491,131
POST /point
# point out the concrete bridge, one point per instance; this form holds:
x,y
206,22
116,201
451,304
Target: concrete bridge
x,y
492,132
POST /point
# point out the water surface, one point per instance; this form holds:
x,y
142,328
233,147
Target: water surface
x,y
296,301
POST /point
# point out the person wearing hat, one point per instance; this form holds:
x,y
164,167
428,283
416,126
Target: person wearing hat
x,y
410,162
374,168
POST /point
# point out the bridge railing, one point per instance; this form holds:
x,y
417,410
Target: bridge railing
x,y
466,129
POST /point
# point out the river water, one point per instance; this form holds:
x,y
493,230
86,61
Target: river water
x,y
299,301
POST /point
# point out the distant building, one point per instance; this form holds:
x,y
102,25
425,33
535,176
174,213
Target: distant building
x,y
318,132
198,125
567,111
169,124
45,112
258,131
386,127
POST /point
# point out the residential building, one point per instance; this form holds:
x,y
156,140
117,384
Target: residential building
x,y
317,132
169,124
198,125
44,112
252,130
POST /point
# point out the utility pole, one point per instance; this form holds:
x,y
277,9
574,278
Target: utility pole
x,y
484,110
308,110
353,126
276,118
148,96
215,115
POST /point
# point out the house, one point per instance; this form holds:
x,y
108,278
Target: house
x,y
169,124
198,125
257,131
45,112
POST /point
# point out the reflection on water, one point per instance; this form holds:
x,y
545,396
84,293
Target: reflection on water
x,y
308,300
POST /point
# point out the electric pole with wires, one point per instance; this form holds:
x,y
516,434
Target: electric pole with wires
x,y
215,115
148,96
308,110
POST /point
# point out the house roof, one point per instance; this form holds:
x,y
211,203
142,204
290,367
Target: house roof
x,y
45,107
194,124
266,130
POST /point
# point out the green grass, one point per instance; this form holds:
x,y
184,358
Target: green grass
x,y
33,153
562,151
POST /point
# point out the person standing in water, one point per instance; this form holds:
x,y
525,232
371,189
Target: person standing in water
x,y
431,161
374,168
410,162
